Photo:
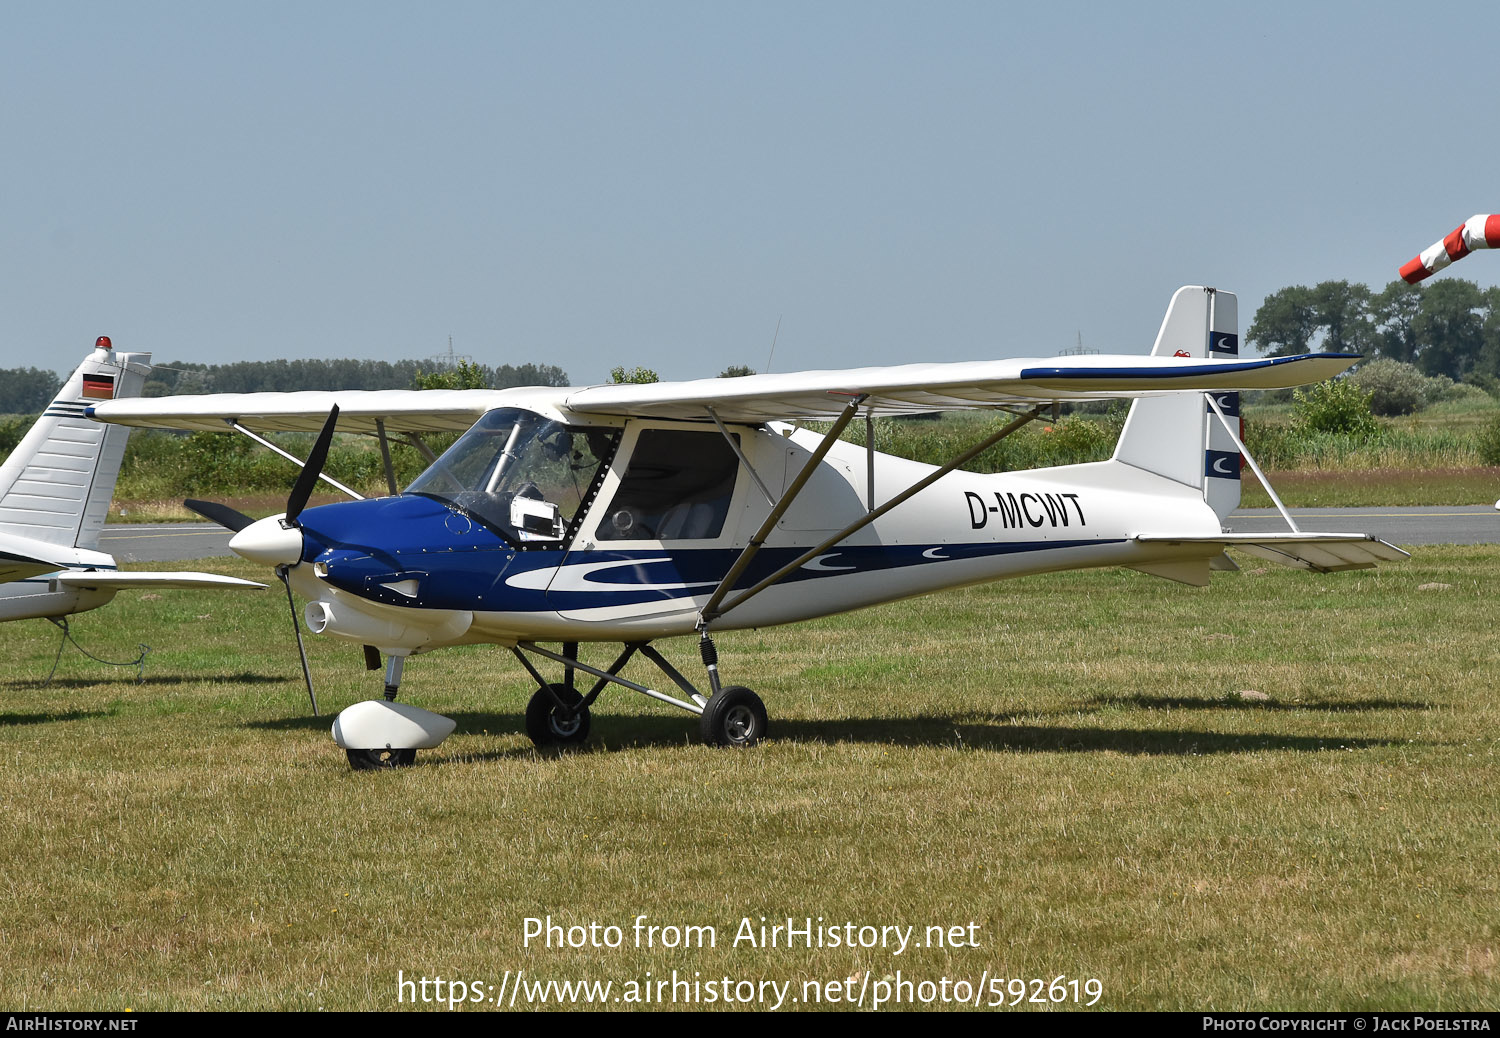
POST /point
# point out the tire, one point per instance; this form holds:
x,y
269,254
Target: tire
x,y
545,723
734,717
380,760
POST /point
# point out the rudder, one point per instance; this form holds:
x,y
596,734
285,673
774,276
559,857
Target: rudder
x,y
1177,436
56,485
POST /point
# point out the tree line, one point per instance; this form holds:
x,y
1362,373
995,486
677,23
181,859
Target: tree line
x,y
285,376
1449,327
29,390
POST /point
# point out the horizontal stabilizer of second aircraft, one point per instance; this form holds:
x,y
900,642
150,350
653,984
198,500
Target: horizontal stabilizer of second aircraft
x,y
149,578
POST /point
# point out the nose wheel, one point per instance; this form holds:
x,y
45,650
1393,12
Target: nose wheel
x,y
381,760
733,717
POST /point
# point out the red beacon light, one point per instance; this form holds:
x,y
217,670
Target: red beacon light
x,y
103,343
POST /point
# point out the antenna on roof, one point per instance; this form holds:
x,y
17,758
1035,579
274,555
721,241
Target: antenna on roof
x,y
774,336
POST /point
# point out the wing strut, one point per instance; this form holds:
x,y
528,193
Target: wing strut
x,y
237,427
869,459
734,445
712,612
385,456
420,446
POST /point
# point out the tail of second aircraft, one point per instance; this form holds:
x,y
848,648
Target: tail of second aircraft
x,y
56,485
1179,436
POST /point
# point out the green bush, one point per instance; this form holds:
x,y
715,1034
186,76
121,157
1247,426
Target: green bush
x,y
1335,406
1075,440
467,375
1487,383
1394,388
12,429
1273,445
1489,441
162,465
635,376
1455,392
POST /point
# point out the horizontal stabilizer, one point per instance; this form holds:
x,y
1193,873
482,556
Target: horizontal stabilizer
x,y
1193,572
117,580
1320,552
14,566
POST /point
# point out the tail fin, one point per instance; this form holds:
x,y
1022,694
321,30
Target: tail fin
x,y
1178,436
56,485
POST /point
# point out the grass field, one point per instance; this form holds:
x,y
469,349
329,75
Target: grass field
x,y
1345,488
1065,762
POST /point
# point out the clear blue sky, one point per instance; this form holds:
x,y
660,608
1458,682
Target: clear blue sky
x,y
591,184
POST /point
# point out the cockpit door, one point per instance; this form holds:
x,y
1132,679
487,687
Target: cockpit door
x,y
667,522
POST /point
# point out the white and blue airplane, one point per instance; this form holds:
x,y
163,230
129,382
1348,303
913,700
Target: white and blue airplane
x,y
631,513
55,489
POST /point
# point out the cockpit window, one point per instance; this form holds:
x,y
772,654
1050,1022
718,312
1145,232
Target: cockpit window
x,y
678,487
521,474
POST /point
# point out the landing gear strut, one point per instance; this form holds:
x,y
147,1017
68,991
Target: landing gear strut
x,y
558,715
733,716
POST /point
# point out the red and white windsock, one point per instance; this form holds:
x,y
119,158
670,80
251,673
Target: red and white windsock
x,y
1477,232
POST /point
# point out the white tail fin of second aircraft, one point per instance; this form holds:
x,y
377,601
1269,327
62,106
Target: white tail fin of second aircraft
x,y
56,485
1178,436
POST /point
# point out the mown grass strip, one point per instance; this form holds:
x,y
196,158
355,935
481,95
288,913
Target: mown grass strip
x,y
1068,762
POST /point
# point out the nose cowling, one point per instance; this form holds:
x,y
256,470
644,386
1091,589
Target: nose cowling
x,y
268,542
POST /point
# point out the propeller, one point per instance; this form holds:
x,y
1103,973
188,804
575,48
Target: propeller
x,y
279,542
307,479
215,512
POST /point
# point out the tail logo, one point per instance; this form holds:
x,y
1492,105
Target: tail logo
x,y
1224,342
1224,464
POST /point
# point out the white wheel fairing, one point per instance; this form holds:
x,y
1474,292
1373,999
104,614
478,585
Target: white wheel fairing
x,y
377,724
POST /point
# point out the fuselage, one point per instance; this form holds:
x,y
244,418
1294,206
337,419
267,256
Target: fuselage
x,y
29,567
611,531
42,596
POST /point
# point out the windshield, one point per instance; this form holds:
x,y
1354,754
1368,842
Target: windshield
x,y
525,476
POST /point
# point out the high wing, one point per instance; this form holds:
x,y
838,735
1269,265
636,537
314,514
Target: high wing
x,y
915,388
399,410
900,389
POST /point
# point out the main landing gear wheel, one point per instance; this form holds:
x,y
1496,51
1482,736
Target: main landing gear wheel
x,y
549,725
734,717
380,760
